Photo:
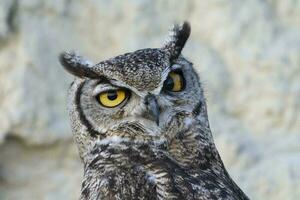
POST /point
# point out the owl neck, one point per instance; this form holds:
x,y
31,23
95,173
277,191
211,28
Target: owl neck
x,y
192,148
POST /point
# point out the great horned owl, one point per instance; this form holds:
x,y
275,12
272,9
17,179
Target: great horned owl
x,y
141,126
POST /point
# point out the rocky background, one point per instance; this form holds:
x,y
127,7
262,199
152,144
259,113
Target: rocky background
x,y
247,54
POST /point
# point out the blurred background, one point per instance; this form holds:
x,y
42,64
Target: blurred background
x,y
247,54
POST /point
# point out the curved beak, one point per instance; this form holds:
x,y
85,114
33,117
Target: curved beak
x,y
153,108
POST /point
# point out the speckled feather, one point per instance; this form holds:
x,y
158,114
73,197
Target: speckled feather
x,y
146,65
126,154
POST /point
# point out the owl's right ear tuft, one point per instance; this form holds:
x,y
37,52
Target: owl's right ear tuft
x,y
177,39
77,65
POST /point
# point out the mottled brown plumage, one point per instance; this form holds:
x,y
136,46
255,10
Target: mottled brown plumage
x,y
154,144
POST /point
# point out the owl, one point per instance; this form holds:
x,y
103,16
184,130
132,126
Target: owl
x,y
141,126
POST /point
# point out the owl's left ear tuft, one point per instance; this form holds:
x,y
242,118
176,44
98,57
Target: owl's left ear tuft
x,y
178,37
77,65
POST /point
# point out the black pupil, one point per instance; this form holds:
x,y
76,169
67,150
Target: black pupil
x,y
169,83
112,95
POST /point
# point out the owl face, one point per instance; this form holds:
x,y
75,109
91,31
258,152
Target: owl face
x,y
107,103
156,90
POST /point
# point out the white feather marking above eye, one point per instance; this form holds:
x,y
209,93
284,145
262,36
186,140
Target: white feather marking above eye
x,y
103,87
119,83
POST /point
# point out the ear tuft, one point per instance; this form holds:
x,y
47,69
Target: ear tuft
x,y
178,37
77,65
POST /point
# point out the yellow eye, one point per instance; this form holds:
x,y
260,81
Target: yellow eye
x,y
175,82
112,98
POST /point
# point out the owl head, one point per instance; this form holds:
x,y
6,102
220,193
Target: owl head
x,y
148,95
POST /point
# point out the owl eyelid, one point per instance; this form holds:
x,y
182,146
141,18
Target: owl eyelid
x,y
178,71
175,67
104,88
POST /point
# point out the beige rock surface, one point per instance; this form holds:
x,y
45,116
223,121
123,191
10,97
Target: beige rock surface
x,y
246,52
